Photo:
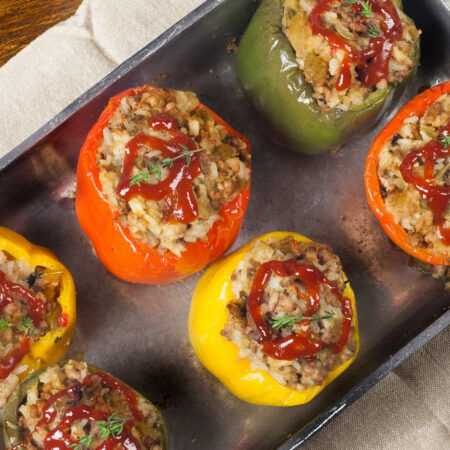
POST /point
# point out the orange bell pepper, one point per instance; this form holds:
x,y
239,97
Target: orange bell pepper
x,y
118,250
415,107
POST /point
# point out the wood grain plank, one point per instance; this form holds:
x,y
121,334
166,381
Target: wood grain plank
x,y
21,21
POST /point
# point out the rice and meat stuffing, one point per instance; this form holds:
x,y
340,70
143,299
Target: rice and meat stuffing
x,y
224,162
357,23
403,201
284,307
77,400
15,322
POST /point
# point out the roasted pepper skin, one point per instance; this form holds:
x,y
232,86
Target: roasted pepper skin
x,y
416,106
51,347
10,426
269,74
207,318
117,249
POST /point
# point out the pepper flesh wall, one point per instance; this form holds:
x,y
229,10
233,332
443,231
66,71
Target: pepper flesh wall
x,y
44,332
295,340
292,110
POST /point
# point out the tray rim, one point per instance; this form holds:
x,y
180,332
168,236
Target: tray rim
x,y
357,391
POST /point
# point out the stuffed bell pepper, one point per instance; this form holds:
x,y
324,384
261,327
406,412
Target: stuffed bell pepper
x,y
163,185
319,71
73,405
407,177
276,320
37,310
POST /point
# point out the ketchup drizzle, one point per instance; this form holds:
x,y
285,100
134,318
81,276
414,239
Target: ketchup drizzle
x,y
36,311
11,359
176,188
436,195
373,62
303,343
59,437
116,385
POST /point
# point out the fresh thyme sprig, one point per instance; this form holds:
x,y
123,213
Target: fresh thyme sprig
x,y
366,9
186,153
290,321
373,31
27,326
83,443
445,141
4,324
143,176
155,170
111,427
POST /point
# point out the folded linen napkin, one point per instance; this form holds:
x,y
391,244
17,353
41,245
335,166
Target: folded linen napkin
x,y
409,409
72,56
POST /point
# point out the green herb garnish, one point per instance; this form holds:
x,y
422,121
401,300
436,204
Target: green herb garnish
x,y
111,427
290,321
366,9
186,153
144,175
83,443
141,177
167,162
4,324
352,1
373,31
27,326
155,170
445,141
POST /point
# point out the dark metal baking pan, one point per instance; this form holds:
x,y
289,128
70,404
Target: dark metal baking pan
x,y
138,332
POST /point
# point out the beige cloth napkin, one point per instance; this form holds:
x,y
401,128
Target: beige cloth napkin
x,y
409,409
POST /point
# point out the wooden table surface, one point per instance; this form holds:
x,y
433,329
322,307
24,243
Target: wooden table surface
x,y
21,21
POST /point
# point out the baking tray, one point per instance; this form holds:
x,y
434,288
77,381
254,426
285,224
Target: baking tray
x,y
139,333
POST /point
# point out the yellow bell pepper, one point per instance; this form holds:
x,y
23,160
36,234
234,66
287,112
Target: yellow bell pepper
x,y
208,316
51,347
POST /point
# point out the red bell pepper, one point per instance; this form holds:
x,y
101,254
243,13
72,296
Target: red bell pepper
x,y
415,107
119,251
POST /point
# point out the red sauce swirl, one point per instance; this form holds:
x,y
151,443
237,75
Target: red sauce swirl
x,y
59,437
36,312
436,195
373,62
176,188
304,343
116,385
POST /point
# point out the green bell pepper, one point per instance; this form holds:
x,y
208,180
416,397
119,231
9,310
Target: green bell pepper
x,y
11,428
268,71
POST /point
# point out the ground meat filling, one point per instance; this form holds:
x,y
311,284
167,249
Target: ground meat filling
x,y
401,198
222,159
321,63
77,401
16,324
285,306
